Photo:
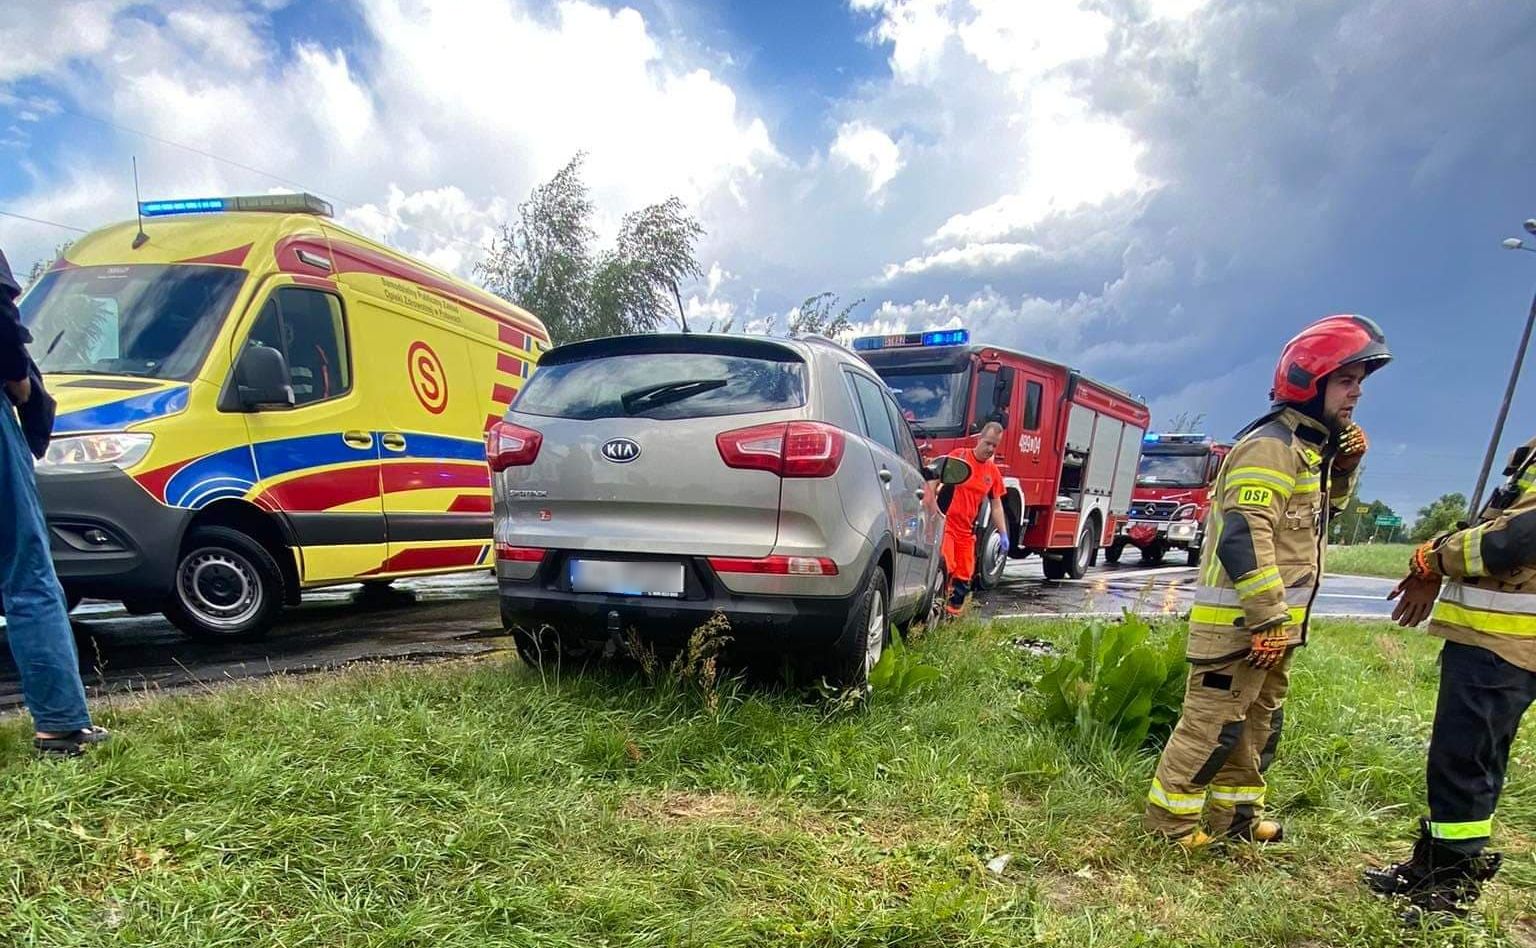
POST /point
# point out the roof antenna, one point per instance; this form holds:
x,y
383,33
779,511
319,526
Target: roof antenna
x,y
680,313
141,238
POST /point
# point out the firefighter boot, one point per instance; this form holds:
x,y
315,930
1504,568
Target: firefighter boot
x,y
958,591
1260,831
1436,878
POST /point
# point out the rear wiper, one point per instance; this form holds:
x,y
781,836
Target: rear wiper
x,y
647,397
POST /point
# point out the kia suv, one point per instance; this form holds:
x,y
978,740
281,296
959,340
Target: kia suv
x,y
643,483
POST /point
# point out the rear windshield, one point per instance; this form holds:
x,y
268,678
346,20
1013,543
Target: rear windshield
x,y
662,386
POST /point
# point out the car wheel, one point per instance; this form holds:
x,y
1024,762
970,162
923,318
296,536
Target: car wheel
x,y
1078,560
991,558
1153,554
864,635
227,586
1113,551
550,646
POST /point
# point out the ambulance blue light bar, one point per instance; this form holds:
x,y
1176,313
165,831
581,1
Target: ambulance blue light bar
x,y
905,340
273,203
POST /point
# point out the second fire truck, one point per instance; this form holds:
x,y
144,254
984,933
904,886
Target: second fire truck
x,y
1172,498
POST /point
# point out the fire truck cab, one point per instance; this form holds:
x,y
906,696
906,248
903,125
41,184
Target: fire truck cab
x,y
1174,484
1069,451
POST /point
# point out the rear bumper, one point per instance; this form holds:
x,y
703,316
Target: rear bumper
x,y
110,539
759,622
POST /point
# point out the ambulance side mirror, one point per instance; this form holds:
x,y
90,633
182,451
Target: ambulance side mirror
x,y
262,379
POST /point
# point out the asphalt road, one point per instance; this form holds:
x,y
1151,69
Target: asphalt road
x,y
449,617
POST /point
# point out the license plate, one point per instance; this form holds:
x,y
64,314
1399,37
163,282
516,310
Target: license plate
x,y
619,578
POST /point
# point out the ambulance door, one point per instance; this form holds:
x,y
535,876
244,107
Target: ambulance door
x,y
432,448
318,462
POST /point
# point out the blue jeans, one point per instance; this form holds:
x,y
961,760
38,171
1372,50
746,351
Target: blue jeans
x,y
36,619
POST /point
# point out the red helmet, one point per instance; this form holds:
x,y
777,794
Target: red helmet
x,y
1323,347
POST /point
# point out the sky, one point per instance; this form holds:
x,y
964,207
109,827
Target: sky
x,y
1158,192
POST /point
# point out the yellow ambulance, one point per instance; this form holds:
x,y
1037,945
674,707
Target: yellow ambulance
x,y
255,401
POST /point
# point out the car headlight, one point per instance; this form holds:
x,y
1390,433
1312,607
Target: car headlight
x,y
123,450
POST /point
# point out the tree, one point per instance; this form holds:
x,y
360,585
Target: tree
x,y
544,261
1444,514
1185,422
41,267
1353,526
819,316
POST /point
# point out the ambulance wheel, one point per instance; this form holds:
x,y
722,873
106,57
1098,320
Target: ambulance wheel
x,y
227,586
1081,557
991,558
1113,551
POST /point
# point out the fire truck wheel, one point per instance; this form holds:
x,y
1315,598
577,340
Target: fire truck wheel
x,y
1055,567
1113,551
1194,556
1078,560
1153,555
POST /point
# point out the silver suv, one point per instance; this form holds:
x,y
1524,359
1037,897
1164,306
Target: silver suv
x,y
644,482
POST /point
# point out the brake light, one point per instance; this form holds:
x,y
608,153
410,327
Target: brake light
x,y
788,449
508,445
519,554
775,565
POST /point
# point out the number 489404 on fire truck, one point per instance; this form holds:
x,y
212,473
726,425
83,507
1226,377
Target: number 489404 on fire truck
x,y
1069,451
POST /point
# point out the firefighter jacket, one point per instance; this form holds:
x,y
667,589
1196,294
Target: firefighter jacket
x,y
1273,501
1490,600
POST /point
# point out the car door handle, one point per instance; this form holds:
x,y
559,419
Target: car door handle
x,y
358,439
393,440
885,476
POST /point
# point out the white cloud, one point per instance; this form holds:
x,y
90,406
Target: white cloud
x,y
917,31
39,36
871,151
982,257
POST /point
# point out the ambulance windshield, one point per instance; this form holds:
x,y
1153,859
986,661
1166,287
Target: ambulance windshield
x,y
1171,470
933,401
148,320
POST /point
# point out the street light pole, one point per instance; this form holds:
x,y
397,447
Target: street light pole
x,y
1513,243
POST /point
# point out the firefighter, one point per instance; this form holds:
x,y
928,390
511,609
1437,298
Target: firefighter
x,y
1487,615
1288,471
985,483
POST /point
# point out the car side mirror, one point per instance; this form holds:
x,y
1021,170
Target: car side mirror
x,y
262,379
948,471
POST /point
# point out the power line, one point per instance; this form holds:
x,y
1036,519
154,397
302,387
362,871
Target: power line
x,y
39,220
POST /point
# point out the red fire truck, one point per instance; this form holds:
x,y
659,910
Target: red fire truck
x,y
1069,450
1172,497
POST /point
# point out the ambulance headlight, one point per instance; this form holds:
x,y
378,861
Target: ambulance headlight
x,y
122,449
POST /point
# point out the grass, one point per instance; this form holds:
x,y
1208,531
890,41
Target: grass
x,y
486,804
1389,560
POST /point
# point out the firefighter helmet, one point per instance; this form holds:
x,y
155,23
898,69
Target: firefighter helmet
x,y
1323,347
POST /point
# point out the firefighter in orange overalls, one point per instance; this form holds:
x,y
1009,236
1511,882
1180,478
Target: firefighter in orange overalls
x,y
985,483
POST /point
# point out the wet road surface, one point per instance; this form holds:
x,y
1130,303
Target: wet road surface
x,y
448,617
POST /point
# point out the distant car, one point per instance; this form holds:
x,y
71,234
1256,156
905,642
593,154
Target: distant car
x,y
643,483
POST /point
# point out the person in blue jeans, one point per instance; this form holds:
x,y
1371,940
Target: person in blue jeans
x,y
36,618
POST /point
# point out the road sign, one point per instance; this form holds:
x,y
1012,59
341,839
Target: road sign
x,y
1363,509
1389,521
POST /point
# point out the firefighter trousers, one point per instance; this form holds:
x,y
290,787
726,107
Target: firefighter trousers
x,y
1482,698
1226,738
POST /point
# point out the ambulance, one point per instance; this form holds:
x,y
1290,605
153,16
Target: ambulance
x,y
255,402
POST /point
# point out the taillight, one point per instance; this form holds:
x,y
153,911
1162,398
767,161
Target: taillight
x,y
508,445
775,565
788,449
519,554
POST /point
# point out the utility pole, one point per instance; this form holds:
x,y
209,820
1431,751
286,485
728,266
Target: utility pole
x,y
1513,243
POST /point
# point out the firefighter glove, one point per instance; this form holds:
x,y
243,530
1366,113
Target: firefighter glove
x,y
1352,447
1267,646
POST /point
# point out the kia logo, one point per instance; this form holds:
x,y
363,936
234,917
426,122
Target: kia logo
x,y
621,450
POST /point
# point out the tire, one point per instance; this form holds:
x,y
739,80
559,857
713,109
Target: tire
x,y
550,646
1113,551
991,559
1193,556
142,607
865,634
1055,567
227,586
1081,557
1153,554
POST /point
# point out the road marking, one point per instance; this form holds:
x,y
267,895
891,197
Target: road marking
x,y
1323,595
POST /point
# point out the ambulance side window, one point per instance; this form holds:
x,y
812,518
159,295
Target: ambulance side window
x,y
308,328
1033,393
